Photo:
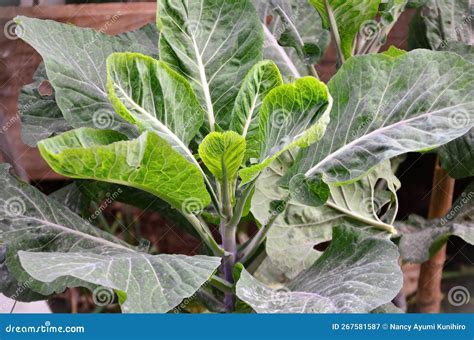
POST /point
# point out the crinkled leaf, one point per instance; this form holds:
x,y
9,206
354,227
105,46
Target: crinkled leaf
x,y
148,93
260,80
60,249
214,43
356,274
350,16
293,236
448,20
148,163
223,153
381,111
294,37
75,63
292,115
423,238
40,114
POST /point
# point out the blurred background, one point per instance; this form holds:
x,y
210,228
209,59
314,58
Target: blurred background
x,y
18,62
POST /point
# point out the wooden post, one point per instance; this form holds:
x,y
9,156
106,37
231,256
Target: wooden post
x,y
429,295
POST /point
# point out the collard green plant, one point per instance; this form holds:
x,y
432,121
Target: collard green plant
x,y
225,123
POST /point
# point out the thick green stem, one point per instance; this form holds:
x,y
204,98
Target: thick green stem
x,y
205,234
335,34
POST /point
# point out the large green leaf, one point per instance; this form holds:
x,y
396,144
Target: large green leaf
x,y
53,245
292,115
214,43
260,80
356,274
148,93
223,153
423,238
350,17
148,163
294,234
381,111
294,36
75,64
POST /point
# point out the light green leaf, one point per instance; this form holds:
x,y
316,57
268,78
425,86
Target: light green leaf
x,y
75,64
223,153
148,163
292,115
350,16
423,238
54,245
260,80
356,274
148,93
214,43
382,111
293,236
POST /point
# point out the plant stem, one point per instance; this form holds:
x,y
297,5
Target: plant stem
x,y
221,284
203,230
429,296
240,206
257,240
335,34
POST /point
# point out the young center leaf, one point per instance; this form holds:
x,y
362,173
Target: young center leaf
x,y
292,115
260,80
75,64
381,111
223,153
356,274
350,16
51,248
148,163
214,44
